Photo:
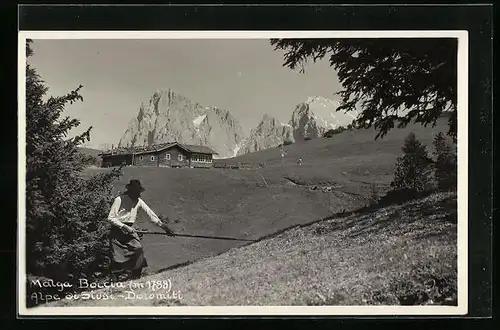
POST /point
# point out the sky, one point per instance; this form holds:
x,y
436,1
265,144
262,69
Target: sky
x,y
244,76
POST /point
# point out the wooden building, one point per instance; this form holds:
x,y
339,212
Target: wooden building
x,y
164,155
116,158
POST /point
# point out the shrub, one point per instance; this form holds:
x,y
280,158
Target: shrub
x,y
307,138
445,167
413,169
328,134
89,160
399,196
331,132
66,231
287,142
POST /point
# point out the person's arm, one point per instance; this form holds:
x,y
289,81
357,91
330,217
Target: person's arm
x,y
113,213
154,218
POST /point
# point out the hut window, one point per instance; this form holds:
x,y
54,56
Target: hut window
x,y
152,158
141,158
180,158
167,156
205,159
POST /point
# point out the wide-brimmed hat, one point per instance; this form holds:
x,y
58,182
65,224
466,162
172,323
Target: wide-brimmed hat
x,y
134,185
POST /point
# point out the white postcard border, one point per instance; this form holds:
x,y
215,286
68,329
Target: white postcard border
x,y
462,137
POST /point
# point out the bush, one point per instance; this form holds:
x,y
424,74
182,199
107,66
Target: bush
x,y
413,169
399,196
307,138
89,160
331,132
445,167
287,142
66,227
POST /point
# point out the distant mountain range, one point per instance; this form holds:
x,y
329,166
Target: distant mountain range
x,y
169,116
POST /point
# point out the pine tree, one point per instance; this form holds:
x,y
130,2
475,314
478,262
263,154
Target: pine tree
x,y
66,231
413,169
384,75
445,166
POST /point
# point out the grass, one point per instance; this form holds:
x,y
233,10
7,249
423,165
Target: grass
x,y
397,255
238,203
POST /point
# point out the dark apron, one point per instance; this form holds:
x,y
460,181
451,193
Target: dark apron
x,y
128,254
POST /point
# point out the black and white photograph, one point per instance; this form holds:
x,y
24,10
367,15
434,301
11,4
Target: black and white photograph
x,y
175,173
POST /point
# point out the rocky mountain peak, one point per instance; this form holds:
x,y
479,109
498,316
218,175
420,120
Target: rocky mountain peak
x,y
269,133
170,116
316,115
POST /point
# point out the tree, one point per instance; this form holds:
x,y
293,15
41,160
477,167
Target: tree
x,y
384,76
66,235
413,171
446,163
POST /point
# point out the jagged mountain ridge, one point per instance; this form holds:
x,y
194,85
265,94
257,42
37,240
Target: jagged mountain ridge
x,y
311,118
170,116
269,133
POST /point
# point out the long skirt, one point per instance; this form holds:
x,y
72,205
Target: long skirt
x,y
128,255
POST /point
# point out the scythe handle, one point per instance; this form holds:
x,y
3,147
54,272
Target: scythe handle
x,y
140,233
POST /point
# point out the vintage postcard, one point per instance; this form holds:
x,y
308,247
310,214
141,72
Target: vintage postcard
x,y
243,173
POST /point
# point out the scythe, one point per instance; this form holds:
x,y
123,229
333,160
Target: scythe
x,y
142,232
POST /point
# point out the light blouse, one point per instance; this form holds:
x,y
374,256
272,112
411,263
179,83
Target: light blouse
x,y
124,211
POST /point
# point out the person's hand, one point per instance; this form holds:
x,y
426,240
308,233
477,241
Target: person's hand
x,y
128,229
167,230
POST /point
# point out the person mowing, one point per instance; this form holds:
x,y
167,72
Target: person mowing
x,y
128,254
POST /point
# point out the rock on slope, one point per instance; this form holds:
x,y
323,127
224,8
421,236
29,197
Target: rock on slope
x,y
170,116
268,134
317,115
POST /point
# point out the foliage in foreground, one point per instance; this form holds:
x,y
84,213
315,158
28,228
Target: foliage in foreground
x,y
384,76
66,231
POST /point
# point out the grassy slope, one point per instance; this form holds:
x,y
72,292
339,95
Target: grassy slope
x,y
372,258
237,203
